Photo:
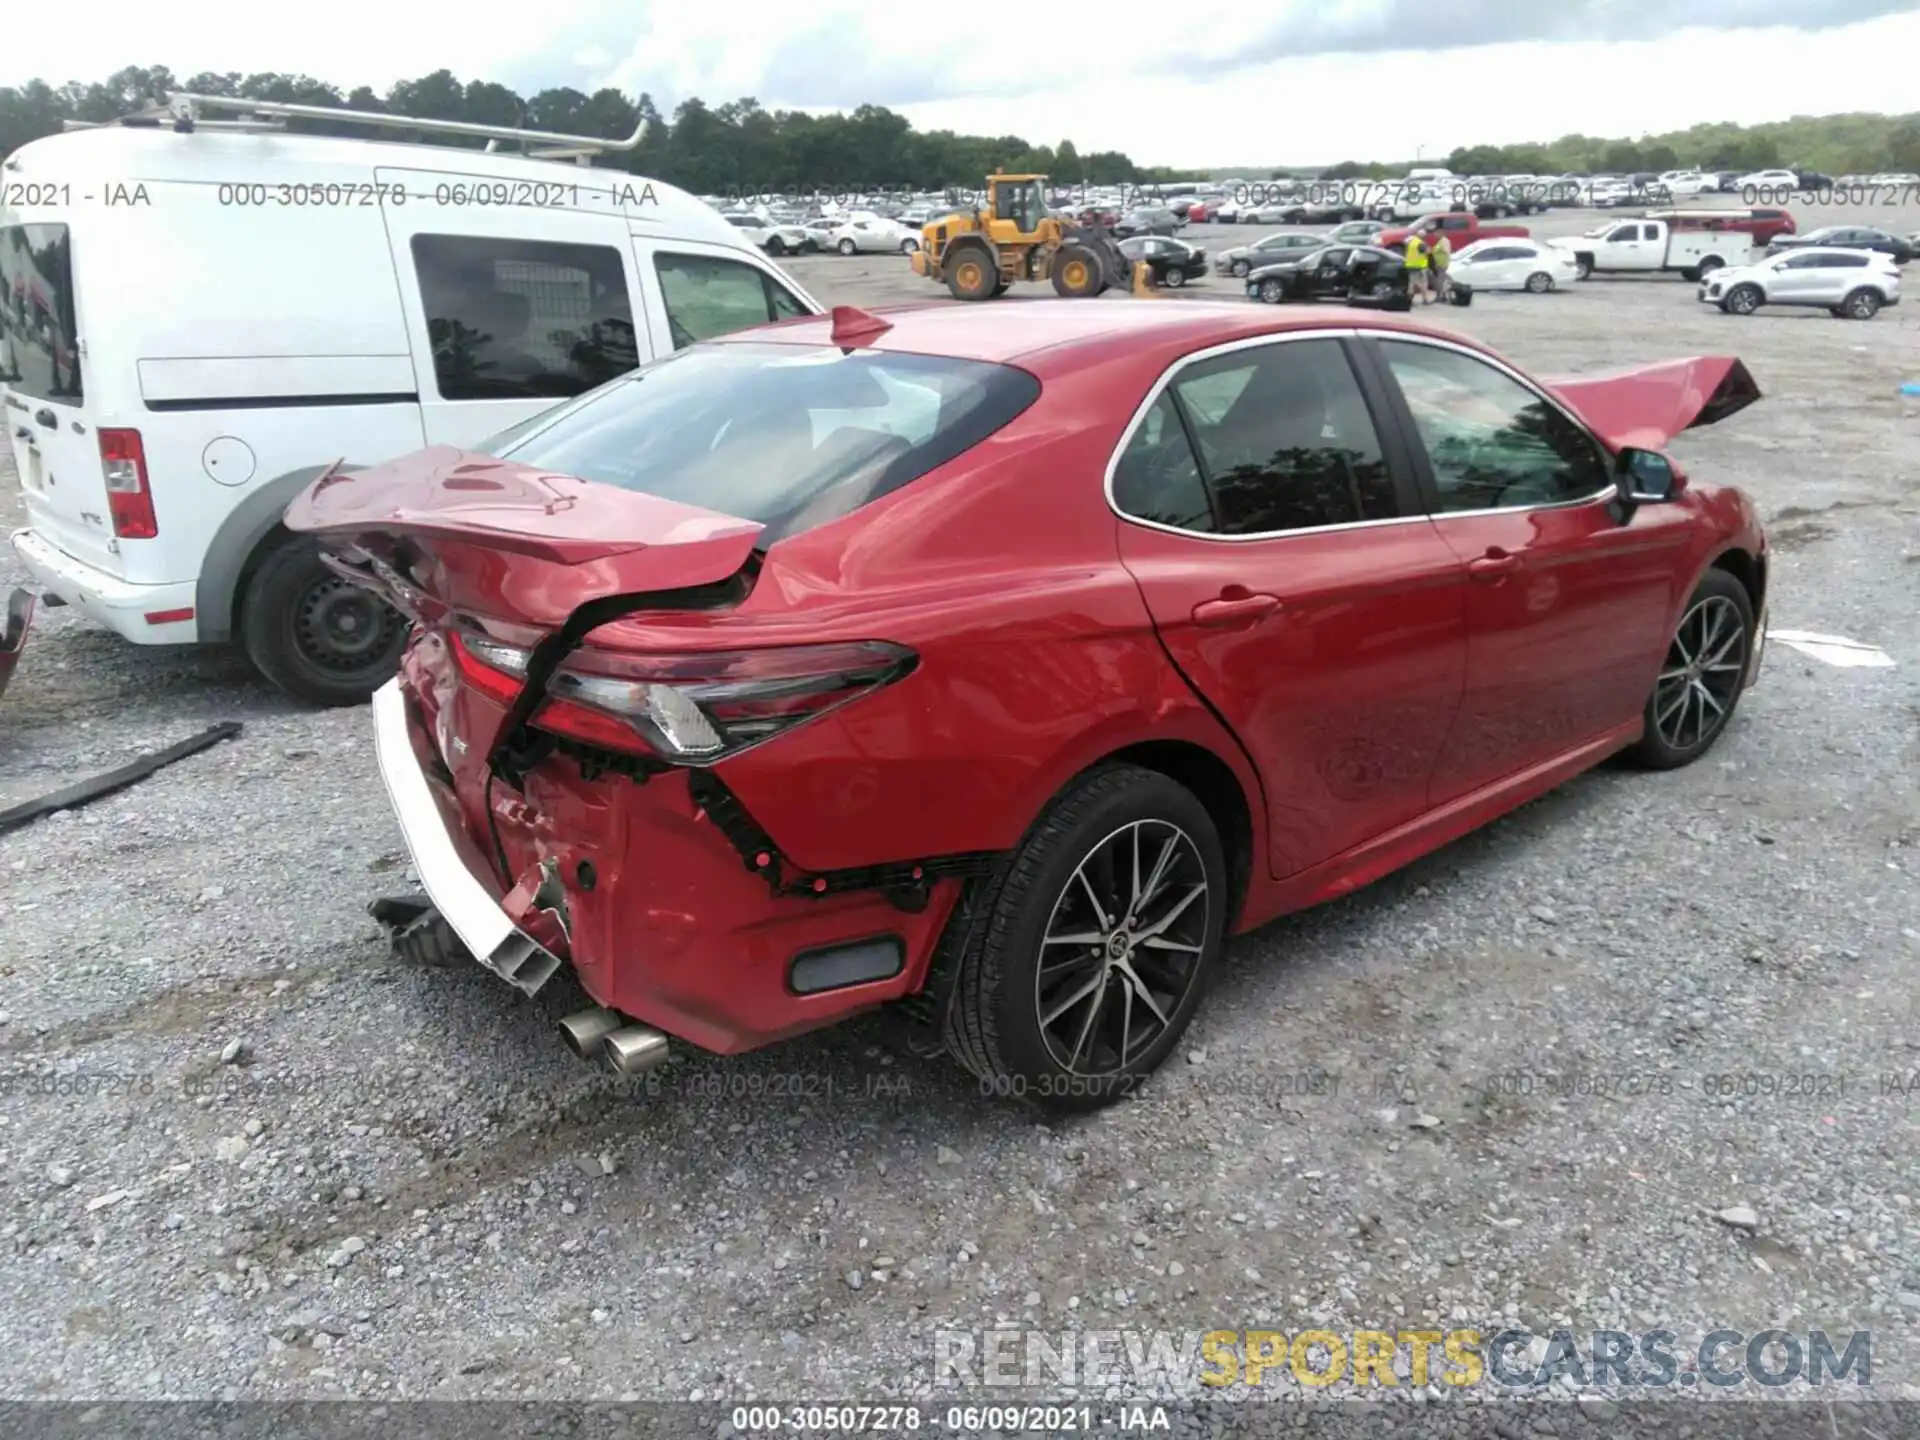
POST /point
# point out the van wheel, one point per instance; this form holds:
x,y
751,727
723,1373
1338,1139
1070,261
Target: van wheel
x,y
1862,304
1092,948
314,635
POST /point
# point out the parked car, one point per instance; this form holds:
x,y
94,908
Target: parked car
x,y
1242,259
1148,222
1171,262
773,238
872,234
1848,237
1853,284
1778,180
236,345
1328,272
1210,626
1358,232
1461,227
1508,264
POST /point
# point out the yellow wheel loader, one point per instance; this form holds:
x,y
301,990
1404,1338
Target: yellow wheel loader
x,y
1013,237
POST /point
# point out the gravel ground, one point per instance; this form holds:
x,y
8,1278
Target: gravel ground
x,y
244,1155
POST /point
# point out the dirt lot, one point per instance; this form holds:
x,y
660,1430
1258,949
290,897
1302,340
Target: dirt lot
x,y
405,1186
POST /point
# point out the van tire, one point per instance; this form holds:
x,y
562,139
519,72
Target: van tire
x,y
298,623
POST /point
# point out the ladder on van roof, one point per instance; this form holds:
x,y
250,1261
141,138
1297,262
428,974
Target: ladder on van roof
x,y
183,113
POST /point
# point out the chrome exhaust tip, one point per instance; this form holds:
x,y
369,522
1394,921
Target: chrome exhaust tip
x,y
584,1031
633,1050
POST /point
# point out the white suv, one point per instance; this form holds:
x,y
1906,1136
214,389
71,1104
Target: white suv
x,y
197,319
1856,284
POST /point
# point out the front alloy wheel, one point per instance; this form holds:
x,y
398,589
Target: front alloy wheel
x,y
1701,678
1090,950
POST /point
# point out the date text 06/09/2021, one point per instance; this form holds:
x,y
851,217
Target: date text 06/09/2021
x,y
610,195
899,1419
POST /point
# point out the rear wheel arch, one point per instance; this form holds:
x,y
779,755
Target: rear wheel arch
x,y
244,539
1215,785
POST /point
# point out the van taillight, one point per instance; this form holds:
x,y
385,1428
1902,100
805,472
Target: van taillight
x,y
129,500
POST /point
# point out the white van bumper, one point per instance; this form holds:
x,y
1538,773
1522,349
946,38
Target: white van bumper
x,y
118,604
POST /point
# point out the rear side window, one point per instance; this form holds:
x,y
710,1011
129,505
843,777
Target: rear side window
x,y
39,341
1157,479
514,319
791,436
706,296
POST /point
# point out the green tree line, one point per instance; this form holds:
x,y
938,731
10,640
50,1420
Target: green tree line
x,y
743,147
739,146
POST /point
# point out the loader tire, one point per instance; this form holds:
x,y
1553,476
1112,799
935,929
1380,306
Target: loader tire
x,y
972,273
1077,273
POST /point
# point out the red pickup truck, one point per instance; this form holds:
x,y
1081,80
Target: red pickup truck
x,y
1461,227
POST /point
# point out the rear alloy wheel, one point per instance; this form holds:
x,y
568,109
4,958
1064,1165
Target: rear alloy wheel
x,y
847,247
1862,304
1539,282
1093,946
1174,277
1700,680
319,638
1742,300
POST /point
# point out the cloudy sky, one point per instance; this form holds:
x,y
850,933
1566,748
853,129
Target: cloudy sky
x,y
1201,82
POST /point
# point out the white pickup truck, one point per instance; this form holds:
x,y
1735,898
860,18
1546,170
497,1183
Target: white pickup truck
x,y
1650,246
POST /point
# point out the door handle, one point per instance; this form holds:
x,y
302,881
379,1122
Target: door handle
x,y
1235,609
1493,566
46,419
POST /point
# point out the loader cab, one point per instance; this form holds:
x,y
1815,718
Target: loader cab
x,y
1020,201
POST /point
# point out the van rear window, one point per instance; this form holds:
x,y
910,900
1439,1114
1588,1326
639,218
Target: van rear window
x,y
39,342
791,436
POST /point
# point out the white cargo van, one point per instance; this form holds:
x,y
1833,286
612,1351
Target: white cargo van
x,y
198,316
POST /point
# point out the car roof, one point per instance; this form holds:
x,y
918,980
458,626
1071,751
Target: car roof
x,y
130,154
1053,337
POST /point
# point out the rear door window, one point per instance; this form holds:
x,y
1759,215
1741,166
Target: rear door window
x,y
792,436
521,319
39,339
706,296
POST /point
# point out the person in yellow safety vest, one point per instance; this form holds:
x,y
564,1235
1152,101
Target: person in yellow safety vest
x,y
1442,256
1417,268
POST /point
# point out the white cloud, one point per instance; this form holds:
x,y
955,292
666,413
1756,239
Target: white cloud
x,y
1120,84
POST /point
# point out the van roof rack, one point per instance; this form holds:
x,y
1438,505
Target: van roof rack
x,y
183,112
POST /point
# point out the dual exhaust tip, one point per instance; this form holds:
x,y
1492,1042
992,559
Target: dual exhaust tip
x,y
608,1037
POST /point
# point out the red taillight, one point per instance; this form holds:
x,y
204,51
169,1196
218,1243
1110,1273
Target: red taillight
x,y
695,709
123,463
495,670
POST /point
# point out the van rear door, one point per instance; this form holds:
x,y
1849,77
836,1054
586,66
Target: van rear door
x,y
56,448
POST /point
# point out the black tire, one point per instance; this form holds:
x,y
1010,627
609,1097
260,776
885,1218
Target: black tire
x,y
972,273
1076,272
995,1027
1174,277
1862,304
1241,269
1706,267
431,944
1272,291
317,637
1668,744
847,247
776,246
1743,300
1540,282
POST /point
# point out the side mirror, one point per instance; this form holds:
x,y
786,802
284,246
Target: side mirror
x,y
1646,477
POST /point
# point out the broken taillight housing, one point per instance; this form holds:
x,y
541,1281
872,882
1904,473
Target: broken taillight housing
x,y
692,709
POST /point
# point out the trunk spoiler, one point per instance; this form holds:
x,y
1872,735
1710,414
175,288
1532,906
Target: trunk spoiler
x,y
1648,405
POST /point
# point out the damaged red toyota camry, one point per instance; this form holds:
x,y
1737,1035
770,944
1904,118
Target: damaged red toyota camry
x,y
1002,663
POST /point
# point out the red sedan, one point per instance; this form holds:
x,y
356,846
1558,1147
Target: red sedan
x,y
1004,663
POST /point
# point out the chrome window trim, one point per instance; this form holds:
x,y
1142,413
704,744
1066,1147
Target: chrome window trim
x,y
1349,332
